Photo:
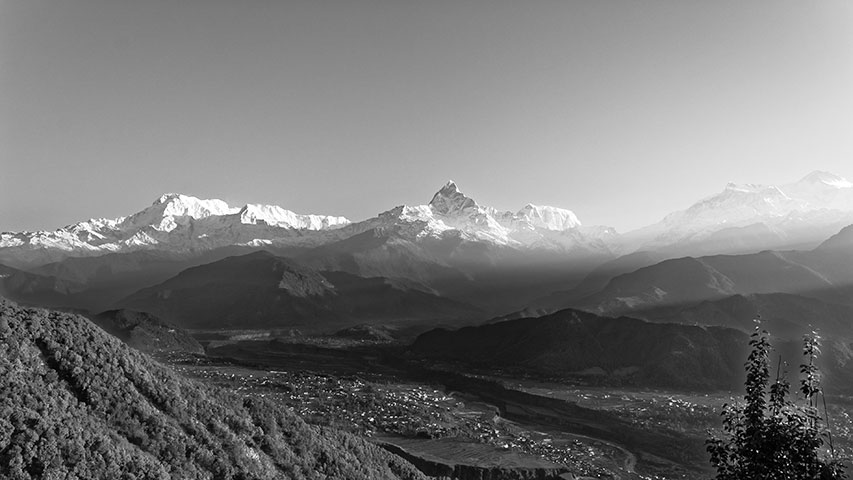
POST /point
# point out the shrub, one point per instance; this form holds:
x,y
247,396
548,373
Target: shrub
x,y
769,436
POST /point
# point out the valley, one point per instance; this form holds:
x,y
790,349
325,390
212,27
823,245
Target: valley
x,y
460,340
431,412
374,392
426,240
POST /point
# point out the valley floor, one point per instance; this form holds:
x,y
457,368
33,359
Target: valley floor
x,y
487,420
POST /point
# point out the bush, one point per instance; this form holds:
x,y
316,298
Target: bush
x,y
769,436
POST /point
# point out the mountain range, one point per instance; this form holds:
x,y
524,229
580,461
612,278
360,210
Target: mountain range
x,y
263,291
449,259
187,225
796,214
452,245
825,273
746,217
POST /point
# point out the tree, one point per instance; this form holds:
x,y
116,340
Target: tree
x,y
769,436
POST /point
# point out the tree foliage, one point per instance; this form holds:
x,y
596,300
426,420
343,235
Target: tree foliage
x,y
76,403
770,436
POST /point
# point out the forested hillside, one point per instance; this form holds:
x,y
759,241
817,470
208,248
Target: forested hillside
x,y
146,332
78,403
622,350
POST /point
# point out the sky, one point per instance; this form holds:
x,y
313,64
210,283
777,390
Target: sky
x,y
621,111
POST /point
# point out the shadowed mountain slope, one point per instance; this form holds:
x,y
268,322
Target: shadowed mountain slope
x,y
580,346
785,315
610,350
78,403
824,273
36,289
261,290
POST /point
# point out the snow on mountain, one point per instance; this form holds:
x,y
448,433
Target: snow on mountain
x,y
279,217
451,212
449,200
826,178
820,199
822,190
173,222
740,218
549,218
183,223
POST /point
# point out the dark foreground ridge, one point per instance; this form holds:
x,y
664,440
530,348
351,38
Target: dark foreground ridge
x,y
610,351
78,403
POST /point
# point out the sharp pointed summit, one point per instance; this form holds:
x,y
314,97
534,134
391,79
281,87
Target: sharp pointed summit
x,y
450,199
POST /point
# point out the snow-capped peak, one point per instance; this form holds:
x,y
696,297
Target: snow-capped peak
x,y
450,200
818,197
179,205
279,217
744,187
826,178
550,218
177,223
452,213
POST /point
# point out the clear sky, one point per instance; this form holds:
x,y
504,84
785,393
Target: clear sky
x,y
619,110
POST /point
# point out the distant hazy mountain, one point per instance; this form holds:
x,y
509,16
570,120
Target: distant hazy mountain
x,y
747,218
825,273
94,284
593,281
103,280
786,316
35,289
600,349
260,290
78,403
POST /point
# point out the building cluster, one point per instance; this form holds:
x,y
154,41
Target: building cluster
x,y
411,410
